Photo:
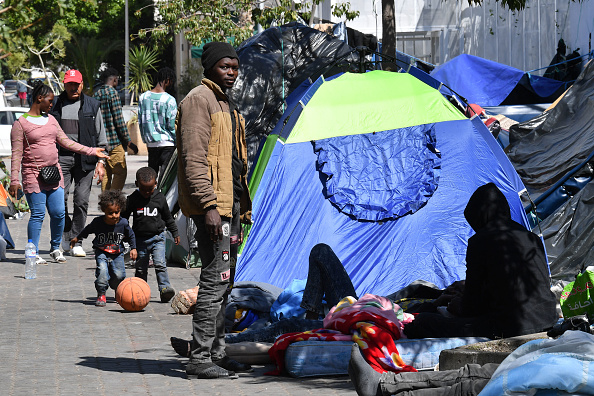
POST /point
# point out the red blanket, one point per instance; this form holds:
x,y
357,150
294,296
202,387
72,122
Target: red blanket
x,y
372,322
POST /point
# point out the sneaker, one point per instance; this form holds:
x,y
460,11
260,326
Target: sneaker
x,y
40,261
78,251
101,301
167,294
57,256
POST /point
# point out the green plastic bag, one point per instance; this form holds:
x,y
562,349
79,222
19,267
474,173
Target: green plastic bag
x,y
578,296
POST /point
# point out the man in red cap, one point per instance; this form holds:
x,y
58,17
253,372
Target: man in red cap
x,y
80,117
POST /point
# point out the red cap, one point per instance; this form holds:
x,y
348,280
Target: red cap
x,y
73,76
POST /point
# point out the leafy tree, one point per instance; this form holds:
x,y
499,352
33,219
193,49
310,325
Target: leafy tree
x,y
87,54
220,19
51,46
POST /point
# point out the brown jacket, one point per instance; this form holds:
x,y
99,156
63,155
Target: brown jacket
x,y
204,147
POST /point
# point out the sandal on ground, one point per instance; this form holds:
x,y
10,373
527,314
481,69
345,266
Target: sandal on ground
x,y
208,371
40,261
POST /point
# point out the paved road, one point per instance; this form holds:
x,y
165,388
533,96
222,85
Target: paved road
x,y
54,341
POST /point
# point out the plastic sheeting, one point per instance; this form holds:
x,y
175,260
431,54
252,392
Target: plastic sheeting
x,y
489,83
569,235
382,175
273,64
562,142
292,215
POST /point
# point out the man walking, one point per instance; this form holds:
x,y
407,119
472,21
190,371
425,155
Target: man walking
x,y
118,139
156,117
80,117
212,164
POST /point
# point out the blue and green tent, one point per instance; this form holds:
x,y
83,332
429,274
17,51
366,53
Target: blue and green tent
x,y
379,166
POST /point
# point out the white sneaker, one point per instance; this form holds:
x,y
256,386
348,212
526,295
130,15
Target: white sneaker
x,y
78,251
57,256
40,261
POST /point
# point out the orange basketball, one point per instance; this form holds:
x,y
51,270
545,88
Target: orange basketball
x,y
133,294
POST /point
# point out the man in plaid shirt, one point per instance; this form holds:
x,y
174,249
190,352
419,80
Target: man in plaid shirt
x,y
118,139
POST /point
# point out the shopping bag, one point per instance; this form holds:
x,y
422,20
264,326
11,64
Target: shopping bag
x,y
578,296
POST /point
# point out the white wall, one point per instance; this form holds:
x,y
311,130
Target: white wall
x,y
523,39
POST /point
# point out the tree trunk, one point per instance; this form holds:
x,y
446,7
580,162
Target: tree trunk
x,y
388,32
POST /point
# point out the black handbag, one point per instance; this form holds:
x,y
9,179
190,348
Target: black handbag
x,y
48,174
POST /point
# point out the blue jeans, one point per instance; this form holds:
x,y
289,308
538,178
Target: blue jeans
x,y
327,278
110,271
155,246
53,200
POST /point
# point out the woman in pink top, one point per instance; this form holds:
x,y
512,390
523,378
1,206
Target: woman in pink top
x,y
34,137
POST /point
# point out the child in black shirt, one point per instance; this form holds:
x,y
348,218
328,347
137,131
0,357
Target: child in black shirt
x,y
110,232
151,214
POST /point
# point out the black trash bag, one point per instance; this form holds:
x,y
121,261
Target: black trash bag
x,y
273,63
518,131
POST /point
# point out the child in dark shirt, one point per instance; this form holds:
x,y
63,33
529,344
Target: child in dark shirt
x,y
110,232
151,214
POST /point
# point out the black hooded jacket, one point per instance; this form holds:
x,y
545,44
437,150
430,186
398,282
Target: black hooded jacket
x,y
507,277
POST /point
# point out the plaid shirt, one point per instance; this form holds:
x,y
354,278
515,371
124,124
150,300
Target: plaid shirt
x,y
111,108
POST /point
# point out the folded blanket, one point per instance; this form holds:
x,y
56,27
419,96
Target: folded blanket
x,y
564,366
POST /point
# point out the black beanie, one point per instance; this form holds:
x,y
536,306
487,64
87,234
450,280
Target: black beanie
x,y
215,51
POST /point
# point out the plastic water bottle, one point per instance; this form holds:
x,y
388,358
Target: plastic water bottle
x,y
30,260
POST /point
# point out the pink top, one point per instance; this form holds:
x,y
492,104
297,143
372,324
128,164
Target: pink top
x,y
41,151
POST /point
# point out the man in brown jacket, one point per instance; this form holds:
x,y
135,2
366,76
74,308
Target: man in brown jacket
x,y
212,168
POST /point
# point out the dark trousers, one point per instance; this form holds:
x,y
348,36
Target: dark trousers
x,y
435,325
208,322
158,158
82,180
327,278
468,380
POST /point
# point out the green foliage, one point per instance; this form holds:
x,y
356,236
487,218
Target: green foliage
x,y
344,10
189,79
218,20
203,19
88,53
142,61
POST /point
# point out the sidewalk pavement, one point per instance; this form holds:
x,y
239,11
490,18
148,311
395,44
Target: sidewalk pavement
x,y
54,341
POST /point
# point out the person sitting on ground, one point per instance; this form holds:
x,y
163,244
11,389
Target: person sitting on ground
x,y
151,214
468,380
507,291
110,233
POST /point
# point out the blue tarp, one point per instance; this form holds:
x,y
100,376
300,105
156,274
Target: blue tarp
x,y
292,215
488,83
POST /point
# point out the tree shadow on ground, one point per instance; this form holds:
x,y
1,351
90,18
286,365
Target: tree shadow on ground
x,y
169,367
